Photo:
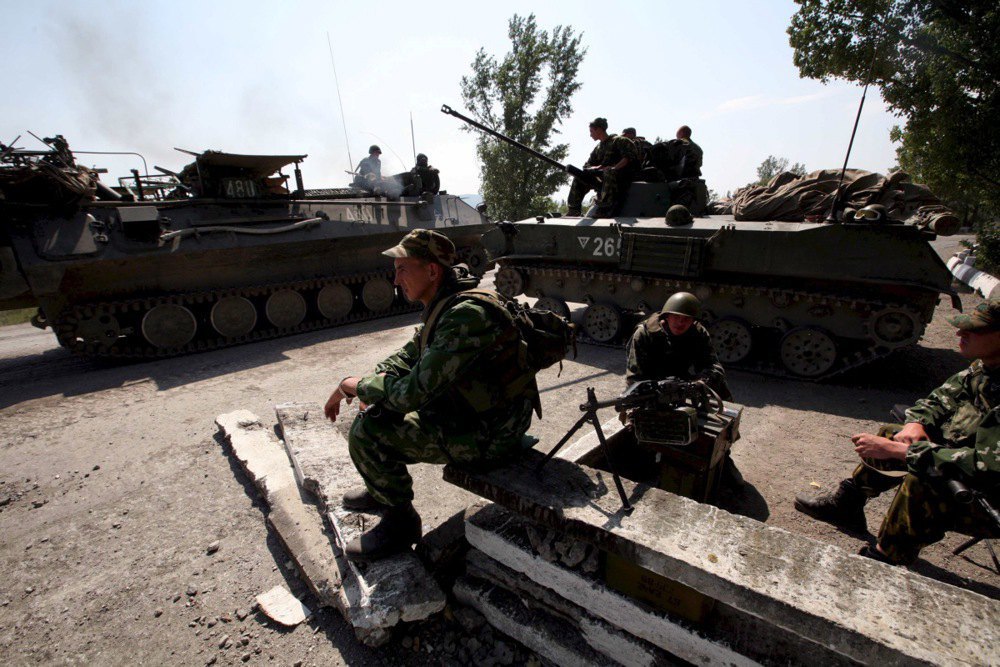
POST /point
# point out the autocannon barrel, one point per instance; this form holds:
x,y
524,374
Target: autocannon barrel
x,y
568,168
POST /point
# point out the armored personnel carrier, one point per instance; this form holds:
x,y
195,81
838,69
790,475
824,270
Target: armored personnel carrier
x,y
805,299
222,252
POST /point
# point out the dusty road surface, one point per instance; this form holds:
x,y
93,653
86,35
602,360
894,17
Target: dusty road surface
x,y
113,485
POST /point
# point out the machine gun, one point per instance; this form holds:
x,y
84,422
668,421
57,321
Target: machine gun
x,y
591,176
665,413
951,477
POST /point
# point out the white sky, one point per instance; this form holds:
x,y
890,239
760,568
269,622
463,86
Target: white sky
x,y
256,77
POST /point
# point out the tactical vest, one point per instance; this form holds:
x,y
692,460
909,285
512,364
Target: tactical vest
x,y
504,373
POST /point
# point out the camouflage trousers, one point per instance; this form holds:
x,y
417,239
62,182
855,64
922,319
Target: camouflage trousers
x,y
382,443
609,197
920,514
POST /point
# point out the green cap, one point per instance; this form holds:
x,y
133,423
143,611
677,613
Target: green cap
x,y
425,244
985,317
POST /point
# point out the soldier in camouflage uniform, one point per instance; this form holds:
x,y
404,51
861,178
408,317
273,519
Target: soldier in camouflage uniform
x,y
615,161
641,145
695,156
953,433
434,400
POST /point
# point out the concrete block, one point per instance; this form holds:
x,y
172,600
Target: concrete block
x,y
545,634
499,535
297,523
375,596
864,610
601,636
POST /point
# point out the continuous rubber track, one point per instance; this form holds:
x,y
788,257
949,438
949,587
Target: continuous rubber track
x,y
120,322
852,353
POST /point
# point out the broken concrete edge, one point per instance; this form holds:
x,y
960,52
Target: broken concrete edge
x,y
546,635
376,594
602,636
847,603
485,524
281,606
266,463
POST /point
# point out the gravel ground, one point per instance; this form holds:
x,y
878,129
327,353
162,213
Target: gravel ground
x,y
114,486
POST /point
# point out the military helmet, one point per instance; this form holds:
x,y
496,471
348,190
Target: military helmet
x,y
421,159
849,214
678,215
374,149
682,303
872,213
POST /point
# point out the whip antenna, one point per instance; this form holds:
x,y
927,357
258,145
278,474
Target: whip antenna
x,y
343,120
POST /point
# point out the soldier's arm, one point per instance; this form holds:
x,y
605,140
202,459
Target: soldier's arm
x,y
707,366
463,332
941,404
637,358
400,362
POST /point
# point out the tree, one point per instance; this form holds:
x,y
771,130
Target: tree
x,y
772,166
509,96
937,66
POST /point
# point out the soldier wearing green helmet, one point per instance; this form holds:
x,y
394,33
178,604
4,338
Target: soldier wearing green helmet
x,y
672,343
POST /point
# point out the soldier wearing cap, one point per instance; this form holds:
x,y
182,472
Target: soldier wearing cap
x,y
614,162
426,401
369,172
641,145
954,433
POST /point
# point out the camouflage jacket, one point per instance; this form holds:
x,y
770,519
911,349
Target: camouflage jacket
x,y
693,159
962,417
456,364
655,354
611,150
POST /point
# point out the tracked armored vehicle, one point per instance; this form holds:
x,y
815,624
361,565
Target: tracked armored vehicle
x,y
804,299
218,254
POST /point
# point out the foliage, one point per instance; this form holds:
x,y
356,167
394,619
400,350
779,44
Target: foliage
x,y
510,97
937,66
772,166
988,250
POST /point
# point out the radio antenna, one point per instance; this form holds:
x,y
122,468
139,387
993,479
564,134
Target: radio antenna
x,y
832,216
343,120
413,138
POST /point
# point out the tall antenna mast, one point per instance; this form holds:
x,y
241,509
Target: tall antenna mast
x,y
336,82
413,138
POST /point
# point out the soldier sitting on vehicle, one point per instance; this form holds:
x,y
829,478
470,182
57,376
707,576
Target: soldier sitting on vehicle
x,y
422,179
954,433
610,169
695,156
641,145
369,172
672,343
450,395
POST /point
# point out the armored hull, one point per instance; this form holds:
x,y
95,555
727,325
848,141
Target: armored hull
x,y
809,300
225,261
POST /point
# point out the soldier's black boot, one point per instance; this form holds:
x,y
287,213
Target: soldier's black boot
x,y
844,507
398,529
359,500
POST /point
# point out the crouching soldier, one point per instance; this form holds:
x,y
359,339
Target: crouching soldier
x,y
445,397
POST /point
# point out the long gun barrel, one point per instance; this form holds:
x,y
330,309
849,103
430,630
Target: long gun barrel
x,y
568,168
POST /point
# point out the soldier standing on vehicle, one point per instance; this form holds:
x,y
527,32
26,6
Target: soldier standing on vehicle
x,y
369,173
614,162
693,160
455,394
954,433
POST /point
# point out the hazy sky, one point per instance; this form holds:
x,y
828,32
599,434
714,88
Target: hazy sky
x,y
256,77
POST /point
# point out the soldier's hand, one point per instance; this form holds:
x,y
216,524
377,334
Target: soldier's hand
x,y
911,433
346,390
876,447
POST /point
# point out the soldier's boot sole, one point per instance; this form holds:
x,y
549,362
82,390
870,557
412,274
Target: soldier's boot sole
x,y
399,528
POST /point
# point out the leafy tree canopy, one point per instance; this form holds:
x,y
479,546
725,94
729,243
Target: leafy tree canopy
x,y
772,166
937,65
525,96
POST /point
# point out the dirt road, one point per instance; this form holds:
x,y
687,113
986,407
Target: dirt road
x,y
113,485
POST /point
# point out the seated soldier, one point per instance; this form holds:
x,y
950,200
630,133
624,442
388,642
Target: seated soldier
x,y
671,343
369,173
954,432
422,179
444,397
614,163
